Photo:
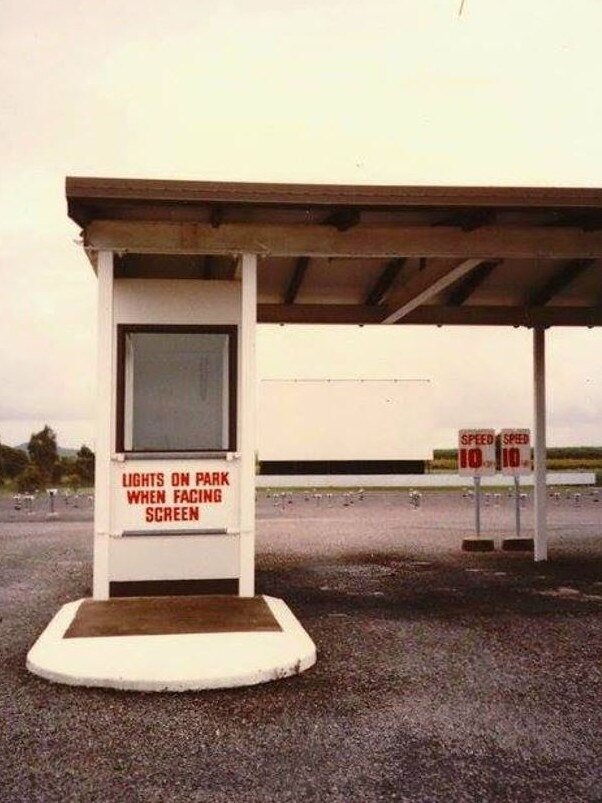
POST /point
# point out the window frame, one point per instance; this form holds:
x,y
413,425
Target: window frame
x,y
124,329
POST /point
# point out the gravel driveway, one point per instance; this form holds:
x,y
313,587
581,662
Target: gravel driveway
x,y
441,676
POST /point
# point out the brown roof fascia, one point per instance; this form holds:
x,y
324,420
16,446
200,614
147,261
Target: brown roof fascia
x,y
81,189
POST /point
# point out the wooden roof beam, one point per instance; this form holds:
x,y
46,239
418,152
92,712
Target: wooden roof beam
x,y
432,315
296,280
475,315
462,290
385,281
424,285
318,313
488,242
559,281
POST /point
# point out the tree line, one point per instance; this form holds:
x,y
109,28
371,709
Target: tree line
x,y
42,465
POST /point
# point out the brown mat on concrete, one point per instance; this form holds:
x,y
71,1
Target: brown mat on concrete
x,y
160,616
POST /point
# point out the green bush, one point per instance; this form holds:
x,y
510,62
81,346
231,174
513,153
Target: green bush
x,y
443,464
30,480
573,464
14,461
74,482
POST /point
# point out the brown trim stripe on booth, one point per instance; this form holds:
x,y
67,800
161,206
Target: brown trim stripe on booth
x,y
172,588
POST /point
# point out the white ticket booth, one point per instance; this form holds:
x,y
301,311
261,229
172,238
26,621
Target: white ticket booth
x,y
175,456
174,605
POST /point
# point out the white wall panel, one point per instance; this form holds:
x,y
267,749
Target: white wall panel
x,y
184,301
186,557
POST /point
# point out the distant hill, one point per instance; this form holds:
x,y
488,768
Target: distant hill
x,y
63,452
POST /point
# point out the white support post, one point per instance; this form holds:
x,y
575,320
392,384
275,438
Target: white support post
x,y
539,382
104,425
246,433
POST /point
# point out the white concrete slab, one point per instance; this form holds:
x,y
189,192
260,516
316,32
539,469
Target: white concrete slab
x,y
174,662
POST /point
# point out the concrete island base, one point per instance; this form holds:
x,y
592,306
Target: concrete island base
x,y
173,662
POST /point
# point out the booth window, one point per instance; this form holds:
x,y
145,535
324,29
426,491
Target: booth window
x,y
176,388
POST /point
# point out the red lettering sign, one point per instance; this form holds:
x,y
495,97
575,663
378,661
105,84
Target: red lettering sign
x,y
516,451
476,452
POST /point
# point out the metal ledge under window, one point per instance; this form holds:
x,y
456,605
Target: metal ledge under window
x,y
163,533
175,456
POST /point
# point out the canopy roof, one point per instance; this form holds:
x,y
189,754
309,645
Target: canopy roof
x,y
362,254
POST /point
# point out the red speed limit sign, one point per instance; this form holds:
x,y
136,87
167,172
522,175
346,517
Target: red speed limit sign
x,y
515,447
476,452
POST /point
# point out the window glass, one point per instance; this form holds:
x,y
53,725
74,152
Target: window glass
x,y
176,391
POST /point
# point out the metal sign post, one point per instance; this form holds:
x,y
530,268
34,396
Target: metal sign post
x,y
476,458
52,492
517,503
477,505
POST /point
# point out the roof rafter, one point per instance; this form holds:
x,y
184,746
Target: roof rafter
x,y
207,266
561,279
469,219
296,280
343,219
463,289
216,216
425,285
385,281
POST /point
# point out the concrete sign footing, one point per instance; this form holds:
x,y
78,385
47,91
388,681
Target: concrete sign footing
x,y
478,545
172,662
518,545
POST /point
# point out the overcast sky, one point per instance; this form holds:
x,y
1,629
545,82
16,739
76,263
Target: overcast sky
x,y
400,92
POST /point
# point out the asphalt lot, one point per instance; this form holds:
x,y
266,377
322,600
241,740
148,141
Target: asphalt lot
x,y
441,676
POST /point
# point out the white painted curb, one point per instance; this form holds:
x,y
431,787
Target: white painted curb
x,y
182,662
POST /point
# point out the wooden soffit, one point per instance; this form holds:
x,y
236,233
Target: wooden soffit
x,y
514,256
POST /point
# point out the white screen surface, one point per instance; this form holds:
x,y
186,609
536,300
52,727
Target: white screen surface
x,y
345,420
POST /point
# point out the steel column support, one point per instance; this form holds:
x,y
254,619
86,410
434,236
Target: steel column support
x,y
539,386
104,424
247,404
